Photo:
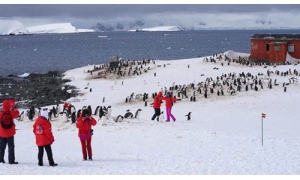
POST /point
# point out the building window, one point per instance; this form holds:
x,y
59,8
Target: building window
x,y
276,48
267,47
291,48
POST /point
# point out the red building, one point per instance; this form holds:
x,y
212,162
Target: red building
x,y
275,48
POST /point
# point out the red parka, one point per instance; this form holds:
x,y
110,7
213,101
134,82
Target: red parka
x,y
85,126
43,132
157,100
8,105
169,101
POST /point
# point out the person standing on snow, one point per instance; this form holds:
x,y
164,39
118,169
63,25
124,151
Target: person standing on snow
x,y
43,137
84,124
156,105
7,133
169,103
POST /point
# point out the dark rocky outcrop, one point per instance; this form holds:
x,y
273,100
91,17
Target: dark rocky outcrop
x,y
37,90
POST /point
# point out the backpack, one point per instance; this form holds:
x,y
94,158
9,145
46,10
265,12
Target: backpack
x,y
7,121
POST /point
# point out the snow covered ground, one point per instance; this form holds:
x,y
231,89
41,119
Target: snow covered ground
x,y
225,136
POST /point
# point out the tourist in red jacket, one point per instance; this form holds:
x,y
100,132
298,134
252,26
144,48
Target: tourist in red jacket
x,y
84,124
7,135
44,137
156,105
169,99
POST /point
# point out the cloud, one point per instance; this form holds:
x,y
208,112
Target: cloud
x,y
87,15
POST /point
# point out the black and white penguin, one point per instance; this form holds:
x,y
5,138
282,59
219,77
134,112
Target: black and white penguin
x,y
128,114
188,116
161,117
73,117
21,116
101,112
119,118
97,110
137,113
57,109
108,111
31,113
78,113
90,109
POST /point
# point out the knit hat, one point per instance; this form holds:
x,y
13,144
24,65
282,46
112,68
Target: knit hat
x,y
44,112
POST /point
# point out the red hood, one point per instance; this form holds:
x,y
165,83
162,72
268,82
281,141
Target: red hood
x,y
5,105
8,104
159,93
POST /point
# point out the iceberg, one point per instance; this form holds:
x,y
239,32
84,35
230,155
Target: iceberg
x,y
56,28
9,26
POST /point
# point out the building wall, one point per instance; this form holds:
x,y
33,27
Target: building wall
x,y
277,53
259,50
296,53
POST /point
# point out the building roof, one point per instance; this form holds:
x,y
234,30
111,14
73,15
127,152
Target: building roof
x,y
276,36
278,42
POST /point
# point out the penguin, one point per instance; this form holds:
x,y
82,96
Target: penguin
x,y
101,112
137,113
50,113
73,117
65,116
90,109
162,117
119,118
38,112
84,107
96,110
21,116
108,111
78,113
188,116
54,111
31,113
128,114
57,109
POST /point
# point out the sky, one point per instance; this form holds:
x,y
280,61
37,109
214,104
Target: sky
x,y
226,134
89,14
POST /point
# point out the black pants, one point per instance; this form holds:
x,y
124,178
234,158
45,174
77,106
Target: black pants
x,y
156,113
49,154
11,149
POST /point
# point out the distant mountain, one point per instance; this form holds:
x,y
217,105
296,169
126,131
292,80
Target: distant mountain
x,y
203,23
9,26
56,28
158,28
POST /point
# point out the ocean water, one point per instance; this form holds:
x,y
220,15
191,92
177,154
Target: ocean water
x,y
41,53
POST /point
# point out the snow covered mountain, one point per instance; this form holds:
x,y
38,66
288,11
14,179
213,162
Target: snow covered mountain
x,y
9,26
56,28
158,28
204,22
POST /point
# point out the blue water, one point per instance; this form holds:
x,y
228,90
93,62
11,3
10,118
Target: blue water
x,y
41,53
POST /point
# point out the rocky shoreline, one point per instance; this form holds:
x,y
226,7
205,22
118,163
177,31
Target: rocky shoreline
x,y
37,90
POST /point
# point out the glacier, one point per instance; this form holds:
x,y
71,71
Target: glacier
x,y
9,26
56,28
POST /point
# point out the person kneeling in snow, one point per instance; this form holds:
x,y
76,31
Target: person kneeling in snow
x,y
84,124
